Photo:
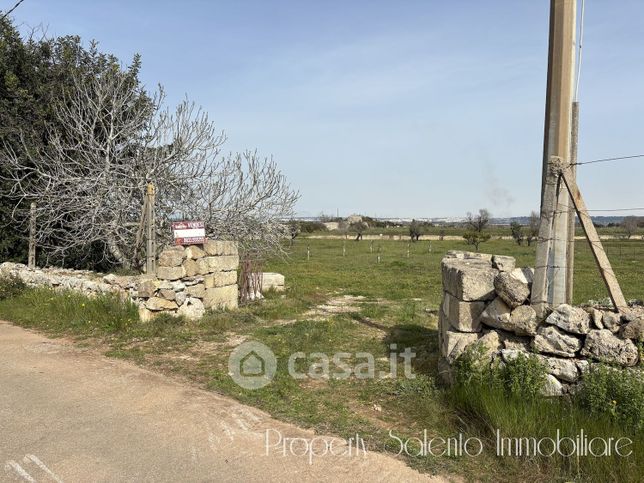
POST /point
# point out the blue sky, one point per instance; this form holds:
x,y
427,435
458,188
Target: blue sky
x,y
408,108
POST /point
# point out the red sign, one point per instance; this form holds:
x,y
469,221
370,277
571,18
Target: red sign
x,y
189,232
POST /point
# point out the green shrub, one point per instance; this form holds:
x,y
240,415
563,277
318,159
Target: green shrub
x,y
523,377
11,286
617,392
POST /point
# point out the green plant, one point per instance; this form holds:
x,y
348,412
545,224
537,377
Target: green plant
x,y
617,392
523,377
11,286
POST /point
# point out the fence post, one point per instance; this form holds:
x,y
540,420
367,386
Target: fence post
x,y
31,258
151,250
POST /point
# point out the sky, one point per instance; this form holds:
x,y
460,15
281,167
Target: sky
x,y
386,108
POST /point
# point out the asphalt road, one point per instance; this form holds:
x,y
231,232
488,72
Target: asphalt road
x,y
69,414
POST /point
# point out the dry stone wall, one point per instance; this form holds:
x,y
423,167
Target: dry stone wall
x,y
188,281
486,307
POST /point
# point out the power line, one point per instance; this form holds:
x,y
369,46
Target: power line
x,y
605,160
601,210
620,209
11,9
580,42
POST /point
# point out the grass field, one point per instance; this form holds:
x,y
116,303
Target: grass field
x,y
353,303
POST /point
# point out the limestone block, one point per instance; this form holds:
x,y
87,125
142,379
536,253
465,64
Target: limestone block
x,y
632,328
552,387
171,257
488,345
220,247
523,320
273,281
525,275
552,340
194,252
604,346
469,279
563,369
223,263
197,291
171,273
167,294
190,267
571,319
192,309
146,289
157,303
512,291
496,314
220,279
454,343
221,297
611,321
180,298
503,263
463,316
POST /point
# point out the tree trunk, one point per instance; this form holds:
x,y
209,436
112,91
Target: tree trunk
x,y
118,255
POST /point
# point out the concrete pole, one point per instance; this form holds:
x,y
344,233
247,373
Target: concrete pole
x,y
557,141
570,255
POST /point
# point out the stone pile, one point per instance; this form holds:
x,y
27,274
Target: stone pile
x,y
190,280
486,306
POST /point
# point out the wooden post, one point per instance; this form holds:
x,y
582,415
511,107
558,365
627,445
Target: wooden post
x,y
308,252
31,258
151,250
344,248
552,251
605,268
570,254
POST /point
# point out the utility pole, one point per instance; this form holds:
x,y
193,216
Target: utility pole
x,y
550,282
570,255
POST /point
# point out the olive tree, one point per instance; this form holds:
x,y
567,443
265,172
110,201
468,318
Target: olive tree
x,y
475,225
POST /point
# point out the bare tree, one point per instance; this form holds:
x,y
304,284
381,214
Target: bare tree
x,y
478,222
629,225
89,182
533,227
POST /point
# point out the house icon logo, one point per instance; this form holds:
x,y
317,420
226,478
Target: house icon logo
x,y
252,365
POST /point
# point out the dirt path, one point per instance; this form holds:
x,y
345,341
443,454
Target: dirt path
x,y
72,415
